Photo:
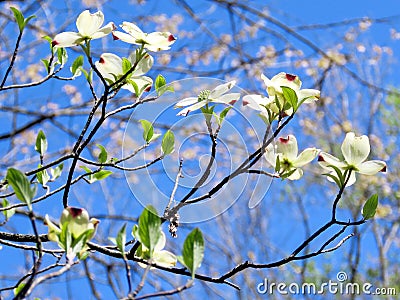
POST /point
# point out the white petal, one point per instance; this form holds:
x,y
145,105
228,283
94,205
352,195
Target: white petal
x,y
266,80
142,83
109,65
288,147
133,30
296,175
282,79
193,107
310,94
103,31
160,40
255,101
305,157
352,178
371,167
230,98
88,23
326,159
144,64
187,101
222,89
165,258
118,35
161,242
270,155
67,39
355,149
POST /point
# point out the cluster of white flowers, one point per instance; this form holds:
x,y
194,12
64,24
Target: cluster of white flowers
x,y
110,65
283,155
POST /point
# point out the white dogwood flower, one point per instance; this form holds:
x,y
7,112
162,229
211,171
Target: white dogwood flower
x,y
89,28
154,41
111,68
283,157
355,151
217,95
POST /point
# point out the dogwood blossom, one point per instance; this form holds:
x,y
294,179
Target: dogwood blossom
x,y
274,87
355,150
73,223
89,28
160,257
283,156
275,93
217,95
111,68
154,41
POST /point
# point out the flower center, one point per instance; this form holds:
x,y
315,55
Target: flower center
x,y
204,95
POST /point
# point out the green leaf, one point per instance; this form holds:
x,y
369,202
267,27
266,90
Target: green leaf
x,y
102,174
19,288
340,176
78,62
290,96
21,186
277,164
120,241
103,154
19,18
56,172
168,143
41,143
148,130
62,56
287,174
161,85
160,82
126,65
87,170
193,250
46,64
42,176
223,114
149,228
9,212
48,39
370,206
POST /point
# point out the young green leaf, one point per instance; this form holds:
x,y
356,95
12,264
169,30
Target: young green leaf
x,y
148,130
21,186
370,206
102,174
126,65
56,172
121,239
19,288
223,114
102,155
9,212
149,228
19,18
168,143
78,62
160,82
42,176
193,250
46,64
161,85
62,56
41,143
290,96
